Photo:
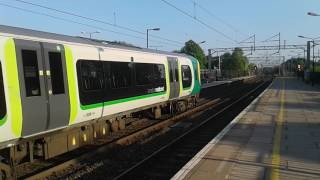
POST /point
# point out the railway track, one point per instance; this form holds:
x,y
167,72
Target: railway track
x,y
76,160
122,138
165,162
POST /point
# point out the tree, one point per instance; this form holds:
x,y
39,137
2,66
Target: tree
x,y
227,63
193,49
252,67
240,61
236,63
294,62
176,51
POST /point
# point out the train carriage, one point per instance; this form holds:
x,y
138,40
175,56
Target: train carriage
x,y
67,91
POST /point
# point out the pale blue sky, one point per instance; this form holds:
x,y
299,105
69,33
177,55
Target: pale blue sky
x,y
261,17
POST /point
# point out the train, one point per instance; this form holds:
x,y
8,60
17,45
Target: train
x,y
59,92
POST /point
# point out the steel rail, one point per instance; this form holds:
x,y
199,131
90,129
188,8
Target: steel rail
x,y
136,166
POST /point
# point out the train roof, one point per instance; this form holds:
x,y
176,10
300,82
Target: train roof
x,y
81,40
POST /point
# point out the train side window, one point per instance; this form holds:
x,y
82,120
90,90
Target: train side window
x,y
3,109
186,76
31,72
144,74
120,74
56,73
159,74
91,75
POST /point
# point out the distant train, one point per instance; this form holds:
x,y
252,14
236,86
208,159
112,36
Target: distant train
x,y
59,92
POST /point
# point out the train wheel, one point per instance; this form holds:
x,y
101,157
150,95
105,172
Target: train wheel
x,y
122,124
115,126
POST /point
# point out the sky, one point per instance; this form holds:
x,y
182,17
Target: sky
x,y
227,21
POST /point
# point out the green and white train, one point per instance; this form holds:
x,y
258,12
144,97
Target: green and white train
x,y
64,91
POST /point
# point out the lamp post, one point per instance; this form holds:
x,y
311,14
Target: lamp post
x,y
202,42
313,14
313,45
152,29
90,33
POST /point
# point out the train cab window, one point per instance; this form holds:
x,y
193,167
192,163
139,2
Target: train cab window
x,y
144,74
56,73
31,73
159,74
3,109
186,76
91,75
120,74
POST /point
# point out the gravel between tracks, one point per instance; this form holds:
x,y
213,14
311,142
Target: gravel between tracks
x,y
111,164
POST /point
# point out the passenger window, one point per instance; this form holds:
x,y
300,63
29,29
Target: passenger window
x,y
31,73
159,74
120,75
56,73
186,76
144,74
91,75
3,108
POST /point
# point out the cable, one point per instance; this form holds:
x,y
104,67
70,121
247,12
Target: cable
x,y
199,21
96,20
79,23
271,38
245,41
219,19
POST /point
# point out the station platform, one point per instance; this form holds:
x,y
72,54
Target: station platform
x,y
218,83
214,83
276,137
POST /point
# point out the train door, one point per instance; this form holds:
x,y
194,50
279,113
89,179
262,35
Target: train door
x,y
32,87
173,77
43,86
57,85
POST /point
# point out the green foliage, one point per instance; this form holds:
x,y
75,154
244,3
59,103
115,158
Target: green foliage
x,y
176,51
236,61
294,62
193,49
252,67
317,67
227,62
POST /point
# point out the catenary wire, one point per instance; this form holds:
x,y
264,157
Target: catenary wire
x,y
83,24
97,20
199,21
218,18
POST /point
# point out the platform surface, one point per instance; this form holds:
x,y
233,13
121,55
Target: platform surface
x,y
218,83
214,83
276,137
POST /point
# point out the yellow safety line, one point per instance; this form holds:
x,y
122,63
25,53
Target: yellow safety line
x,y
277,138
